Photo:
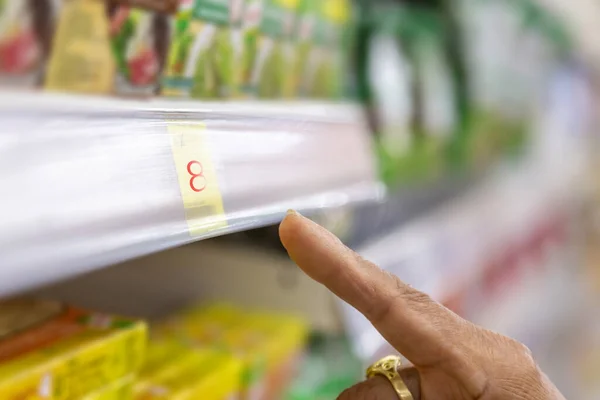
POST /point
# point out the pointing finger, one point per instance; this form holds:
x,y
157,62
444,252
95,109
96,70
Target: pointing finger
x,y
419,328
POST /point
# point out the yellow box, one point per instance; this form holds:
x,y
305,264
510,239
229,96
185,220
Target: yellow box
x,y
200,325
177,372
81,59
268,344
119,390
272,344
56,352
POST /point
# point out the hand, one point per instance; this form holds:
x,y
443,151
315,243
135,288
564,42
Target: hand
x,y
453,359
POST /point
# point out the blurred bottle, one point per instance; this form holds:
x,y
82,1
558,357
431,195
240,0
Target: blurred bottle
x,y
410,76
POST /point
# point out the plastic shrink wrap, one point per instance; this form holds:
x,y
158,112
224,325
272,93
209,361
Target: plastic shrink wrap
x,y
88,182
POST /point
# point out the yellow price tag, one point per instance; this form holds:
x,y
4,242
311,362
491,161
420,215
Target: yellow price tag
x,y
202,201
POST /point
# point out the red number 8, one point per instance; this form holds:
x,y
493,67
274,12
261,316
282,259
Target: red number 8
x,y
195,176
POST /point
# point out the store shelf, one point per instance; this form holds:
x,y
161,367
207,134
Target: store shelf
x,y
88,182
402,206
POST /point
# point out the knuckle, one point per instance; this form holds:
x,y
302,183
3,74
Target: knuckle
x,y
411,296
400,294
521,351
415,298
525,351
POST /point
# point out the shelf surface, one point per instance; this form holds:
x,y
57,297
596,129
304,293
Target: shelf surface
x,y
88,182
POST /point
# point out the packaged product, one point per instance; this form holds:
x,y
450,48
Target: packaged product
x,y
82,58
480,66
495,66
540,44
140,33
176,371
328,57
409,77
305,27
251,20
52,351
289,48
206,50
269,65
110,46
26,32
514,94
267,344
200,325
388,86
275,341
118,390
328,368
436,120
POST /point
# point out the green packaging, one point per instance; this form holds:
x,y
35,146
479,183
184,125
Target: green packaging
x,y
140,33
491,48
410,83
304,30
205,54
387,83
250,34
327,370
328,57
270,62
436,121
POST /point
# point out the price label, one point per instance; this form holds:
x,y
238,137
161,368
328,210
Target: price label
x,y
202,201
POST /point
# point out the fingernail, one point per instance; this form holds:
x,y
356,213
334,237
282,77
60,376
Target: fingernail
x,y
292,212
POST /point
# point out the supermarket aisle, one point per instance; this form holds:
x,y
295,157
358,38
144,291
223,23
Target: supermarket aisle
x,y
149,150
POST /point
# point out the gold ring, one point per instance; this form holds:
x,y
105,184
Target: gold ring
x,y
388,368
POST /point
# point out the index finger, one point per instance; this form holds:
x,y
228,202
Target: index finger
x,y
419,328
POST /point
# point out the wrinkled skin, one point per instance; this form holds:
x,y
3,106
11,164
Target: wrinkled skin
x,y
453,359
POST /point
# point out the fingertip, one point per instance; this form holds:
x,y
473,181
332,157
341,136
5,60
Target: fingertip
x,y
288,228
313,248
300,234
